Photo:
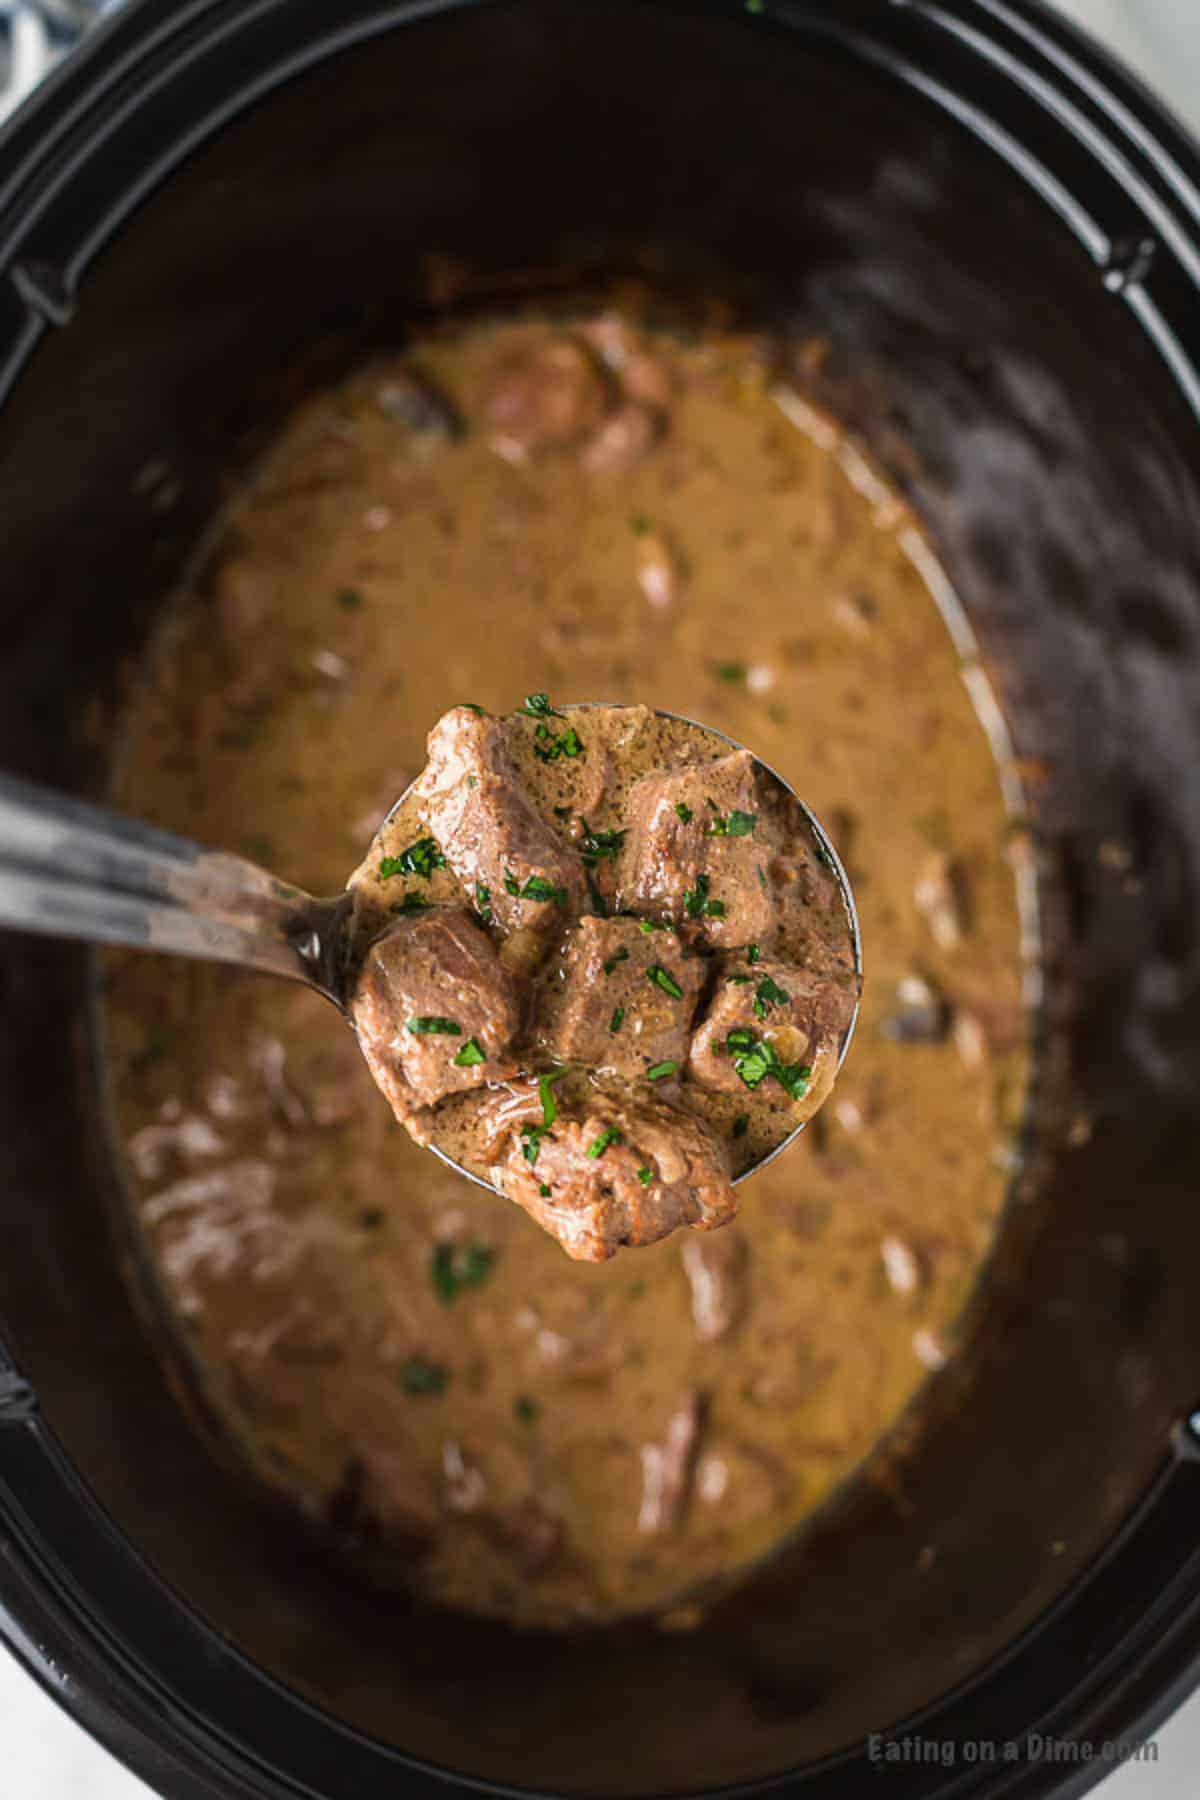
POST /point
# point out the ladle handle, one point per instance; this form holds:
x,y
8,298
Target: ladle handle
x,y
70,869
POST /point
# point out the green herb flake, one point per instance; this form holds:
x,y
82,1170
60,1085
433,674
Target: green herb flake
x,y
741,824
641,525
433,1025
538,706
420,858
768,993
483,902
349,599
470,706
649,925
420,1377
454,1271
615,1023
732,672
741,1125
538,888
546,1095
661,1070
597,1147
755,8
685,812
645,1175
665,980
568,743
596,845
471,1055
544,1190
411,903
618,956
753,952
754,1060
531,1142
525,1410
511,884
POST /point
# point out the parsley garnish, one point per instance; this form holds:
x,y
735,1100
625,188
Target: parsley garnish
x,y
645,1176
614,1024
753,952
754,1059
661,1070
544,1190
568,743
596,845
420,1377
685,812
739,980
471,1055
349,599
546,1095
618,956
741,1125
735,824
434,1026
453,1271
768,993
610,1135
640,525
470,706
525,1409
483,902
649,925
663,979
531,1141
538,707
730,671
696,901
536,888
411,903
420,858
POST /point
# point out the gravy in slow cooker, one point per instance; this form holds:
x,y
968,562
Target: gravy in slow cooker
x,y
589,507
603,960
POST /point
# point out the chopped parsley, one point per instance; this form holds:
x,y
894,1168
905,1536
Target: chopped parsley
x,y
538,707
597,1147
546,1095
665,980
741,1125
470,706
454,1271
685,812
754,1060
544,1190
433,1025
732,672
768,993
531,1142
420,1377
649,925
411,903
471,1055
596,845
525,1410
739,980
420,858
645,1175
661,1070
618,956
615,1023
349,599
734,824
483,902
594,894
641,525
549,749
753,952
536,888
696,902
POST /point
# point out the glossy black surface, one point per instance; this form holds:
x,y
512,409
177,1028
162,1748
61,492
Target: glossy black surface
x,y
1001,239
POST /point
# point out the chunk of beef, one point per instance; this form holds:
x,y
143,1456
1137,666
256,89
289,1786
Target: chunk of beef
x,y
699,848
627,998
608,1173
434,1010
544,396
668,1469
797,1010
510,861
715,1265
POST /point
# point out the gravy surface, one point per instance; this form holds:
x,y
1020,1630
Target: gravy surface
x,y
405,1355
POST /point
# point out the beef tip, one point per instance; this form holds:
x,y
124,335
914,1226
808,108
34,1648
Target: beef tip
x,y
797,1010
430,996
627,998
510,861
625,437
699,848
668,1470
715,1266
544,397
606,1174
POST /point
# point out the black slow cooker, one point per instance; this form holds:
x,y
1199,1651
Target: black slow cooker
x,y
999,235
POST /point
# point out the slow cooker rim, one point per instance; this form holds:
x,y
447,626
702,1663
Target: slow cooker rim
x,y
77,1649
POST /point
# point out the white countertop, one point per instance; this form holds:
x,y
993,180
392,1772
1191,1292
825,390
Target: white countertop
x,y
47,1756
